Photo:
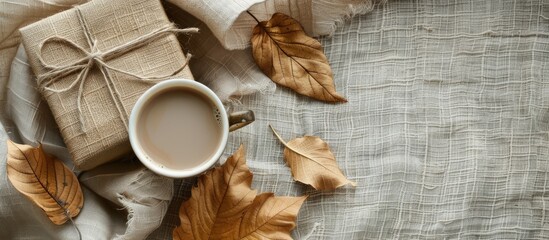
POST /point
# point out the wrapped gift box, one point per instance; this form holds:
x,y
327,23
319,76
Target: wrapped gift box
x,y
93,62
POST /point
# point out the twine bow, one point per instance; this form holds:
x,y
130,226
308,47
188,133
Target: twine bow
x,y
95,57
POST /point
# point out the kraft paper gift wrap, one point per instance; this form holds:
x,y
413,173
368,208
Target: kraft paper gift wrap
x,y
93,62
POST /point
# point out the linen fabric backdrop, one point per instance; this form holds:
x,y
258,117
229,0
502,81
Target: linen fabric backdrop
x,y
446,131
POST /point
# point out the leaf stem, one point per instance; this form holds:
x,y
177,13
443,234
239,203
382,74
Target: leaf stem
x,y
257,20
278,136
286,144
294,149
74,225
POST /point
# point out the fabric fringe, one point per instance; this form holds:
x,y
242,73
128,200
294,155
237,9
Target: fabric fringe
x,y
329,15
144,195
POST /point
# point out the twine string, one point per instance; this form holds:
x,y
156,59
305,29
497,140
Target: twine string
x,y
96,58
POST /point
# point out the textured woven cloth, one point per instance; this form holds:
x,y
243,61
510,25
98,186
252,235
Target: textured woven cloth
x,y
445,132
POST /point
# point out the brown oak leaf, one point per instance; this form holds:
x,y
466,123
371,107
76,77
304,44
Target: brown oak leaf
x,y
285,53
311,162
45,180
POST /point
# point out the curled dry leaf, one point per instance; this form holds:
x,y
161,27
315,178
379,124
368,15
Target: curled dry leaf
x,y
285,53
223,206
312,162
44,180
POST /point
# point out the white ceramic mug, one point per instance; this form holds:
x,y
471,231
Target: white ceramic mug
x,y
229,122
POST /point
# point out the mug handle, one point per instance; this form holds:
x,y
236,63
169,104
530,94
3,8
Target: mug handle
x,y
240,119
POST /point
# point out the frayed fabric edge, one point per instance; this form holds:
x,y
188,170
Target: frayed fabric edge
x,y
129,203
352,8
129,220
235,99
126,202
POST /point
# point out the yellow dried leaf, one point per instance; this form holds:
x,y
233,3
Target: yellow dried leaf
x,y
270,217
44,180
285,53
311,162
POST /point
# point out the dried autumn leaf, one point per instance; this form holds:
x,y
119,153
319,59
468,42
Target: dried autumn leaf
x,y
270,217
223,206
45,181
285,53
218,202
312,162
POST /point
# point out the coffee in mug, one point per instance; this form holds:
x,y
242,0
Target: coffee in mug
x,y
179,128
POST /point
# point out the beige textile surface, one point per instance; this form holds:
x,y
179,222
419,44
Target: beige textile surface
x,y
446,131
28,120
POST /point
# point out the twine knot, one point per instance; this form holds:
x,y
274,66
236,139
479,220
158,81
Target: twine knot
x,y
95,54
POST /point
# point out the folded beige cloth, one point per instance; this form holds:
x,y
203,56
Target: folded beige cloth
x,y
145,195
232,26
